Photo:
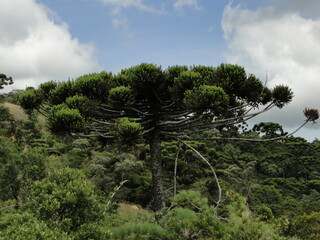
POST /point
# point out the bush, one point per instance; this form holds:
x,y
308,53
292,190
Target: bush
x,y
138,231
307,226
25,226
66,199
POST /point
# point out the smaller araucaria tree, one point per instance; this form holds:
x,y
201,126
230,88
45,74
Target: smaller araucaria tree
x,y
147,102
4,80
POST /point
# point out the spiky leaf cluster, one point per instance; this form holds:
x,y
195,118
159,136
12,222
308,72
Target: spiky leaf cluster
x,y
175,101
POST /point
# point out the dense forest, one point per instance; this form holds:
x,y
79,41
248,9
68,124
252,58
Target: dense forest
x,y
155,154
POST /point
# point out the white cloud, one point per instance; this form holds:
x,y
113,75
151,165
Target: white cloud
x,y
178,4
119,20
34,49
307,8
139,4
283,43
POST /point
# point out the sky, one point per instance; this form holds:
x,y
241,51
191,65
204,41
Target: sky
x,y
276,40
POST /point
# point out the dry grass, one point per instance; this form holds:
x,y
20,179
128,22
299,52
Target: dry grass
x,y
16,111
19,114
133,211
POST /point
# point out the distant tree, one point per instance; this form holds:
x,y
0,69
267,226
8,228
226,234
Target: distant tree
x,y
4,80
269,129
154,104
4,112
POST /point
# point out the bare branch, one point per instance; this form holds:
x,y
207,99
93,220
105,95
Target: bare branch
x,y
175,172
212,169
250,139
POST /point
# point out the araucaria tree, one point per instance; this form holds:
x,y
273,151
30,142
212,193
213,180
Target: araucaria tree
x,y
4,80
146,101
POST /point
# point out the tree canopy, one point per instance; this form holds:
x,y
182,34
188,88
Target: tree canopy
x,y
148,102
4,80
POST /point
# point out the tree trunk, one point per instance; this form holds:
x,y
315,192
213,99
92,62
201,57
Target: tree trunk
x,y
156,169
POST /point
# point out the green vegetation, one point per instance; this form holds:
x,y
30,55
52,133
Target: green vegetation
x,y
157,105
92,175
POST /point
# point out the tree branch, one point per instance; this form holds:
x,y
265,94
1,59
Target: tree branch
x,y
212,169
250,139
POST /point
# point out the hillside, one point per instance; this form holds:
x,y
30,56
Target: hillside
x,y
18,113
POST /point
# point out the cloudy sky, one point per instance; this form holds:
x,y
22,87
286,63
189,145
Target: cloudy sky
x,y
42,40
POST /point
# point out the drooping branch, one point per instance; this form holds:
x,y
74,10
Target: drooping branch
x,y
175,172
114,192
212,169
249,139
201,127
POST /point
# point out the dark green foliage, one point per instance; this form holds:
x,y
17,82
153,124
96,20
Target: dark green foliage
x,y
147,76
61,118
266,95
307,226
310,201
175,71
9,182
18,170
66,199
107,170
59,94
4,80
207,98
5,114
26,226
189,168
251,89
146,102
265,194
269,129
241,176
100,170
45,88
81,103
93,86
207,73
191,218
30,99
191,200
282,95
128,132
181,223
281,203
264,213
137,231
280,179
187,80
75,158
121,96
231,78
241,225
